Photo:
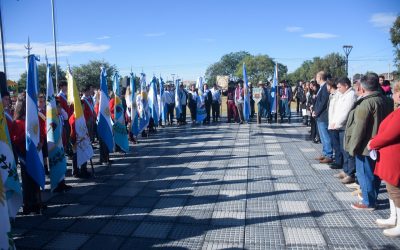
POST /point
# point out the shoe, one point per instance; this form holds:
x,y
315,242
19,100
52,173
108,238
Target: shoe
x,y
361,206
340,175
391,221
334,165
348,180
393,232
353,186
320,158
326,160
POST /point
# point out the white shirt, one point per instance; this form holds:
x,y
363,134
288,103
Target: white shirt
x,y
342,108
216,95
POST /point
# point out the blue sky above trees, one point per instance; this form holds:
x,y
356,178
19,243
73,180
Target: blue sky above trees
x,y
184,37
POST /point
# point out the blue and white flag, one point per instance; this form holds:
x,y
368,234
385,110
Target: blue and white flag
x,y
153,102
178,95
162,104
57,162
119,128
143,106
34,157
134,109
246,90
273,90
104,128
201,107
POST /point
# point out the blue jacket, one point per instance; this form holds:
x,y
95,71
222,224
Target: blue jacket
x,y
321,104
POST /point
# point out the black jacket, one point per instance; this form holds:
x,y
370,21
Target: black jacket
x,y
321,104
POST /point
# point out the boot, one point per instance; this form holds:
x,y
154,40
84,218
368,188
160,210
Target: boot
x,y
391,221
395,231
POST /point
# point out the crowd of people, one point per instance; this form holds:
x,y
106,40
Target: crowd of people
x,y
355,123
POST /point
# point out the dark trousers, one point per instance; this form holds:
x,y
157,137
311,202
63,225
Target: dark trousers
x,y
30,190
252,108
349,162
104,153
215,110
298,105
182,118
335,139
170,112
314,129
193,110
67,130
232,111
208,111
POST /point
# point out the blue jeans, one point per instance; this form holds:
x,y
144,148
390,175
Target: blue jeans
x,y
325,139
335,139
349,163
369,183
284,108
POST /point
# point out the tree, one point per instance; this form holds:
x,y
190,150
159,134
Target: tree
x,y
42,71
89,73
225,66
334,64
395,38
260,68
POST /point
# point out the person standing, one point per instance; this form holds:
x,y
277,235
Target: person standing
x,y
300,96
88,111
216,102
208,102
337,123
169,99
252,102
239,100
184,99
387,143
62,97
230,102
285,97
362,124
321,115
192,102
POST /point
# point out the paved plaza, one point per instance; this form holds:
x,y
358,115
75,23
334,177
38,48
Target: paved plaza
x,y
224,186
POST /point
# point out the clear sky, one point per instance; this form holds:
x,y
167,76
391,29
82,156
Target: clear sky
x,y
184,37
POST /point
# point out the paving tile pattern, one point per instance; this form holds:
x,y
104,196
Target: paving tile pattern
x,y
222,186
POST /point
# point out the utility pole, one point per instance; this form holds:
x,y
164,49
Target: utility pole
x,y
347,49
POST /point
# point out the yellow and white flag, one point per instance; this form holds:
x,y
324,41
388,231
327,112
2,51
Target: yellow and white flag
x,y
84,150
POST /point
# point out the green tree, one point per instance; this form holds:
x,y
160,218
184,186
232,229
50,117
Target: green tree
x,y
334,64
258,68
395,38
89,73
227,65
42,70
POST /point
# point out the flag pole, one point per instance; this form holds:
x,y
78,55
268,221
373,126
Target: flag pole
x,y
55,42
2,45
276,94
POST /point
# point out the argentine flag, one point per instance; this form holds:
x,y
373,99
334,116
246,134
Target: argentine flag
x,y
34,157
134,110
246,104
273,90
153,102
8,170
201,108
104,128
144,113
54,128
178,105
119,128
163,108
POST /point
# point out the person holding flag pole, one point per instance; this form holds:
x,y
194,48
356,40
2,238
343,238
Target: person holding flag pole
x,y
161,103
178,105
104,127
200,108
134,127
118,117
246,104
274,94
81,144
153,105
54,128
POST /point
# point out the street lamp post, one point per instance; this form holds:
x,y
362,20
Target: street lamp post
x,y
347,49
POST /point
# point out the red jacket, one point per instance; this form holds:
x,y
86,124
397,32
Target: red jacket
x,y
111,105
64,104
18,136
387,142
88,108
